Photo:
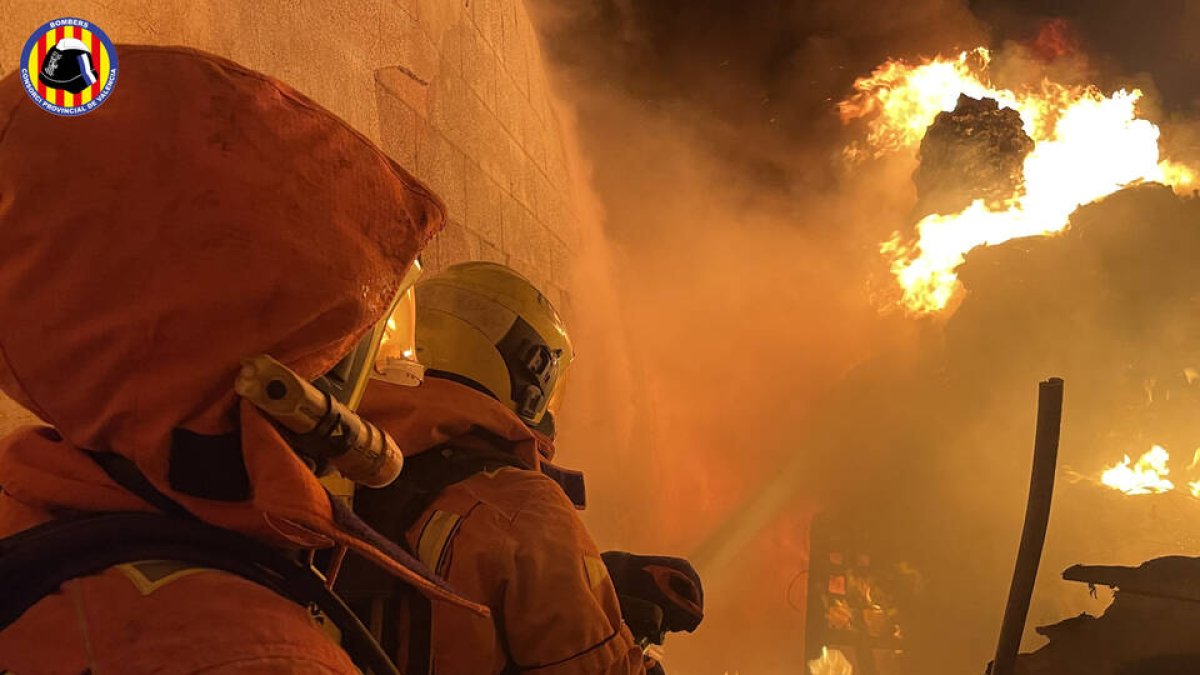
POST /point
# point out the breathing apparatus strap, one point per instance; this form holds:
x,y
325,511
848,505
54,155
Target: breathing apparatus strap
x,y
393,511
36,562
126,474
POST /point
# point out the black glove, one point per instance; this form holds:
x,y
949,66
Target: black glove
x,y
658,594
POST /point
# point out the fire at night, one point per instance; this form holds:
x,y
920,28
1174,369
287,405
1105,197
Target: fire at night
x,y
1082,145
618,337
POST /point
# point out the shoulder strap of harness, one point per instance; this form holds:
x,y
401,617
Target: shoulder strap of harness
x,y
392,511
36,562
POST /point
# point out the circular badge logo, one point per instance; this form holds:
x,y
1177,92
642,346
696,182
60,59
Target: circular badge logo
x,y
69,66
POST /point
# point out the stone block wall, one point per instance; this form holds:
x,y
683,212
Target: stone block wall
x,y
454,90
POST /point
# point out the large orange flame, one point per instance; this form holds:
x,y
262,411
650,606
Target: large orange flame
x,y
1087,145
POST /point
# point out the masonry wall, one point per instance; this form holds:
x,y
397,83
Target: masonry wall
x,y
455,90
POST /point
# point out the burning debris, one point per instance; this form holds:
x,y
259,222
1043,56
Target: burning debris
x,y
1110,304
1107,302
1087,145
976,151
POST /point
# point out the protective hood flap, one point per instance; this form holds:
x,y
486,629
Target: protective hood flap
x,y
203,214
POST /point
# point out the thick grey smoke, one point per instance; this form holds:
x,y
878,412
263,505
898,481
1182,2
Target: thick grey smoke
x,y
736,376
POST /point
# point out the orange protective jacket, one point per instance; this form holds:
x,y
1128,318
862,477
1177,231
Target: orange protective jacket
x,y
509,539
203,214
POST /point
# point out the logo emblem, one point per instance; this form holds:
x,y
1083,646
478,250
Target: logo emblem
x,y
69,66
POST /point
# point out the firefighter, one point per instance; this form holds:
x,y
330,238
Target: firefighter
x,y
481,504
204,215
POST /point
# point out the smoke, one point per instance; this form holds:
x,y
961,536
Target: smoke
x,y
735,374
1122,36
728,286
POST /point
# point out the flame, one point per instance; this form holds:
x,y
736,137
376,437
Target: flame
x,y
831,662
1147,476
1086,145
390,327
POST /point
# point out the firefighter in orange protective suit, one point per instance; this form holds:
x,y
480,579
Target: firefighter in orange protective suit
x,y
203,215
481,504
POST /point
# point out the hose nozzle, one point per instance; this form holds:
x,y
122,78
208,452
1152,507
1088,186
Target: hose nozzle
x,y
325,430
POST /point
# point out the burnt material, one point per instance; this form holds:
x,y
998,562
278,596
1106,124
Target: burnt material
x,y
976,151
1172,577
1148,629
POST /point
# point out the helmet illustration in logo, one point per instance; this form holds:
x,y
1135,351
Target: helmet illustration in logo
x,y
68,66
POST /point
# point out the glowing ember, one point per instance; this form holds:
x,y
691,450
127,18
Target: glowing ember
x,y
1055,40
1147,476
1087,146
1195,460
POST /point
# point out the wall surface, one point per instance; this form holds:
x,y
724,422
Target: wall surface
x,y
455,90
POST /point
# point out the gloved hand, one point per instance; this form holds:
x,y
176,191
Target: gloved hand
x,y
658,594
652,660
653,667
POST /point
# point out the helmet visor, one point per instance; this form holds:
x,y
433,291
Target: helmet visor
x,y
347,380
396,359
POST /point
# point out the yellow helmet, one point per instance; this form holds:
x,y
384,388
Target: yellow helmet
x,y
484,325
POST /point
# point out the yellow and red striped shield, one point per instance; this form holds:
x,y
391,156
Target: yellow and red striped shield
x,y
102,59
